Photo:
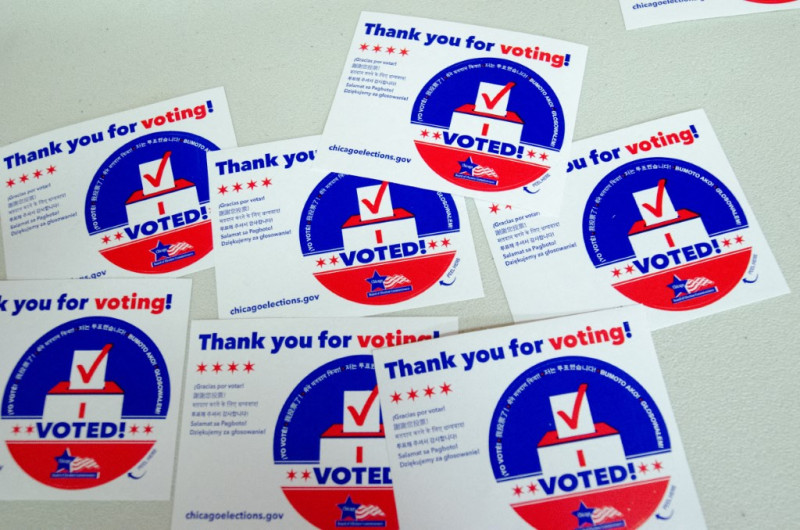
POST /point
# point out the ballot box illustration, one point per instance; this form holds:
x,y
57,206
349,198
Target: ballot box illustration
x,y
662,226
578,442
87,395
489,115
378,222
161,194
360,437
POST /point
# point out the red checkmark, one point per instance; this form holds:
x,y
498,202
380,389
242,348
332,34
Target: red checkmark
x,y
375,206
156,181
360,417
87,375
572,421
657,210
491,102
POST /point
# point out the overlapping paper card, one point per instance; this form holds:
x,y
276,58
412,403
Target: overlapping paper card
x,y
282,424
119,196
652,214
558,424
639,13
464,109
91,375
294,242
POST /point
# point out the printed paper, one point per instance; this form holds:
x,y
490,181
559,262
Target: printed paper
x,y
558,424
653,214
463,109
283,425
294,242
639,14
91,375
120,196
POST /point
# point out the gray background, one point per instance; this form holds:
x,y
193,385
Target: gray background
x,y
731,377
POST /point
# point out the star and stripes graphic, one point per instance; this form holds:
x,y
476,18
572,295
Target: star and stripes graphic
x,y
84,463
369,511
474,171
484,171
395,280
179,248
695,284
604,513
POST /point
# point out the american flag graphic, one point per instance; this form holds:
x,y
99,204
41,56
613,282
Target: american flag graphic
x,y
395,280
603,514
484,171
81,463
368,511
176,248
695,284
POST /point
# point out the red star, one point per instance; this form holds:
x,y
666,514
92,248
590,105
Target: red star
x,y
222,190
629,269
389,50
445,242
118,236
396,398
429,391
739,239
431,244
517,491
37,173
424,133
249,367
237,187
217,368
29,429
726,242
106,239
251,185
51,170
616,273
134,429
291,475
306,474
376,48
321,262
201,368
643,469
334,260
16,429
412,395
508,206
23,178
10,182
403,52
148,429
446,389
494,208
543,156
531,153
266,182
531,488
232,367
658,466
364,47
437,135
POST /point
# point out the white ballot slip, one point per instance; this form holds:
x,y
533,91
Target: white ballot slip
x,y
282,424
293,242
652,214
467,110
558,424
91,373
125,195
